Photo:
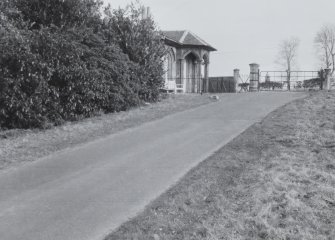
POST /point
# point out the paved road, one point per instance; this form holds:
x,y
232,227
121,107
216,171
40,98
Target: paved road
x,y
83,193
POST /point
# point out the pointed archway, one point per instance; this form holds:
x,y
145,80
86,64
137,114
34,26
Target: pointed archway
x,y
170,69
192,72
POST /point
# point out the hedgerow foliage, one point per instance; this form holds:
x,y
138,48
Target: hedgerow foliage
x,y
271,85
63,60
312,83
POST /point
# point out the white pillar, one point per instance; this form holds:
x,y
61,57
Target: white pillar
x,y
206,77
183,74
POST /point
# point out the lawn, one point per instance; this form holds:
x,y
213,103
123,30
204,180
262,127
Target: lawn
x,y
21,146
274,181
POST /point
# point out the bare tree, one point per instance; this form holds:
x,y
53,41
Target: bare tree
x,y
287,56
325,43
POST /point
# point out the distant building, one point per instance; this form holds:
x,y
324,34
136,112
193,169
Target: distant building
x,y
187,62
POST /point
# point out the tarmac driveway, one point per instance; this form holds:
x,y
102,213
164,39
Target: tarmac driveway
x,y
83,193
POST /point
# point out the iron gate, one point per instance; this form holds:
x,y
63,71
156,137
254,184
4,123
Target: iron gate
x,y
290,80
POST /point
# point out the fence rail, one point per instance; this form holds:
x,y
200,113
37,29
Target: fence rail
x,y
265,81
180,85
196,85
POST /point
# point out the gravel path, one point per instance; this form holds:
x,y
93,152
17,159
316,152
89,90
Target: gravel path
x,y
83,192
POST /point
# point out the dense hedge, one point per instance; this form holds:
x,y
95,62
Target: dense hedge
x,y
62,60
312,83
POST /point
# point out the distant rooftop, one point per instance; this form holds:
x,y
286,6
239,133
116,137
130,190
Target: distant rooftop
x,y
186,38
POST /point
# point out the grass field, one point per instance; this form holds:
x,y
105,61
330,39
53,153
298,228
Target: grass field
x,y
275,181
21,146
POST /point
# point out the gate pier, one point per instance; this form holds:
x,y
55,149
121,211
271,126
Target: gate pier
x,y
254,77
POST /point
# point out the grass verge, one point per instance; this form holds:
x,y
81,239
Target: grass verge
x,y
274,181
21,146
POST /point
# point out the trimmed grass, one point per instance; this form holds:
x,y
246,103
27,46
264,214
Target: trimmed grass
x,y
274,181
21,146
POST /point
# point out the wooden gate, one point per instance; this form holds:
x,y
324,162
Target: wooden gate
x,y
221,85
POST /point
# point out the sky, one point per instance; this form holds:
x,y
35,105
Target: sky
x,y
245,31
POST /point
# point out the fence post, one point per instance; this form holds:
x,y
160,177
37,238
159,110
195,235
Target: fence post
x,y
254,77
236,78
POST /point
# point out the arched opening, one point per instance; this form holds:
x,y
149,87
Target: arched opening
x,y
191,75
170,65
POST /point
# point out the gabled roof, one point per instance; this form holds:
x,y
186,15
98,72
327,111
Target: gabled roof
x,y
186,38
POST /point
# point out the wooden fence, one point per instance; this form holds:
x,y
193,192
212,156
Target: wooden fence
x,y
221,85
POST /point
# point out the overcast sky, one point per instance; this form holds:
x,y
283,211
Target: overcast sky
x,y
245,31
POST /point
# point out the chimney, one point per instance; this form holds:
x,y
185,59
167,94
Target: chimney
x,y
146,12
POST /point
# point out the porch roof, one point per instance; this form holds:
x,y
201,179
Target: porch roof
x,y
186,38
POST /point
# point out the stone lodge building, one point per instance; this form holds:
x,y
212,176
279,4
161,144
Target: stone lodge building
x,y
187,62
